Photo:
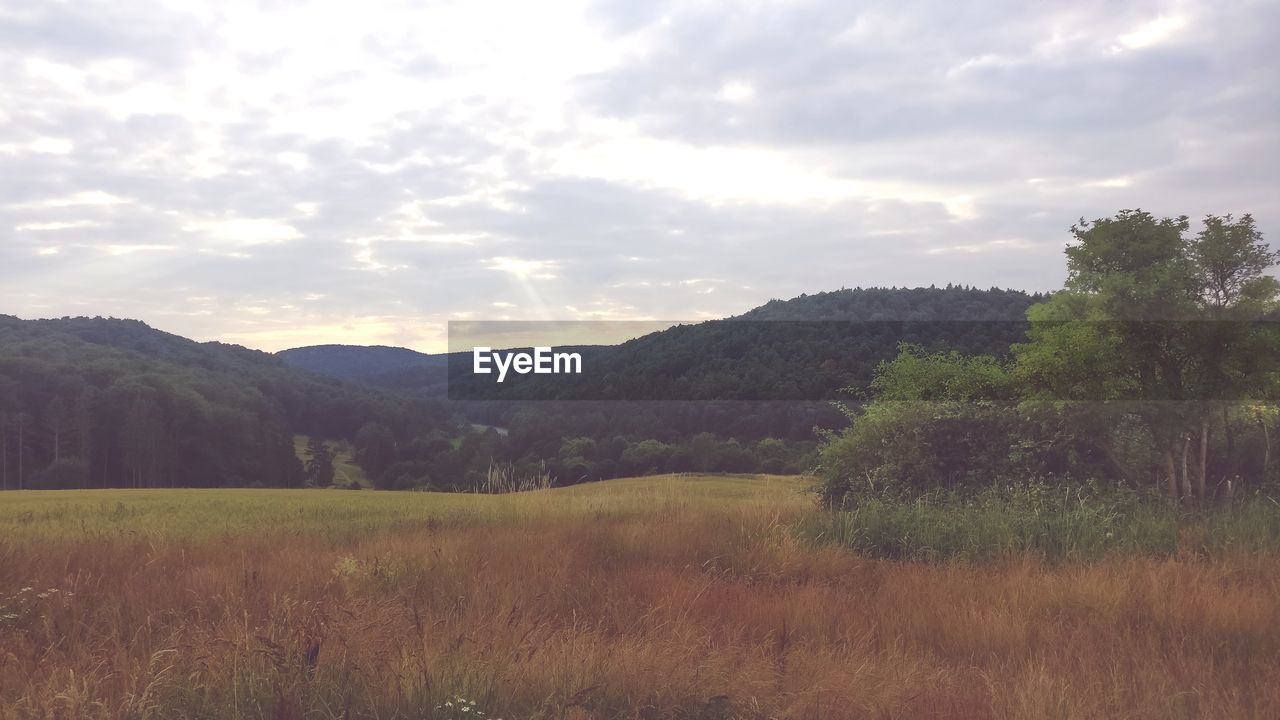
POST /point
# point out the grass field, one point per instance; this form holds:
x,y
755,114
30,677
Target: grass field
x,y
652,598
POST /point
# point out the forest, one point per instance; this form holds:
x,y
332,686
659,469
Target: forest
x,y
93,402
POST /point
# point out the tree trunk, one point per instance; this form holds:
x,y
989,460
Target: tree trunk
x,y
1266,449
1233,467
1202,480
1186,449
20,428
1170,474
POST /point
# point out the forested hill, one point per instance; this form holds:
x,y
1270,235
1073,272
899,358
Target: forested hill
x,y
952,303
358,361
807,348
813,346
106,402
833,340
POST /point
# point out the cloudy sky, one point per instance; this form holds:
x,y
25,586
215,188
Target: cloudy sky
x,y
279,174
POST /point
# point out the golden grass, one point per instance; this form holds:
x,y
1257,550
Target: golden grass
x,y
655,598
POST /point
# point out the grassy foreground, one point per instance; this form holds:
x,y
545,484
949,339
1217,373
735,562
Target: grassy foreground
x,y
654,598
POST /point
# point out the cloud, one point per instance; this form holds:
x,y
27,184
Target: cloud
x,y
524,269
379,173
1152,33
244,231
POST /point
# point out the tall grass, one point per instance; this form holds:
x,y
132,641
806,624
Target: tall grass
x,y
506,478
1056,523
656,598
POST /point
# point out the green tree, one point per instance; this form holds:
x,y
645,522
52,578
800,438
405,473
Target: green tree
x,y
319,467
57,421
375,451
1154,325
143,440
935,419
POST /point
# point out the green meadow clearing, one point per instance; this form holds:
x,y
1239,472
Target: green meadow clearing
x,y
194,514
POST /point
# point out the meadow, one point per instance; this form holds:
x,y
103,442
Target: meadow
x,y
666,597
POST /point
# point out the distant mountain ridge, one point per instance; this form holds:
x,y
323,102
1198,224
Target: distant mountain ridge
x,y
747,356
358,361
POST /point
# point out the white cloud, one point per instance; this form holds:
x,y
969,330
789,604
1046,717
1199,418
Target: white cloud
x,y
118,250
243,231
1115,182
1155,32
86,197
51,146
725,174
986,247
524,269
53,226
736,92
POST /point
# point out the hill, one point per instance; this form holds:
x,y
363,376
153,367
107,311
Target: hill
x,y
806,348
115,403
357,361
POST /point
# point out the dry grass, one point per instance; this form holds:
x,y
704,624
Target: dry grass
x,y
662,598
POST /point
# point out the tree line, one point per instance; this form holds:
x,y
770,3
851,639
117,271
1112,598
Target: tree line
x,y
463,463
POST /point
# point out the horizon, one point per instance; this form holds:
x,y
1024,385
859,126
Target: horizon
x,y
615,332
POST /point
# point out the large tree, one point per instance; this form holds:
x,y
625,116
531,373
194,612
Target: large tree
x,y
319,467
1160,326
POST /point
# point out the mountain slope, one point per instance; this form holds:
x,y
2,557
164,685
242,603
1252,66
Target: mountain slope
x,y
108,403
805,348
357,361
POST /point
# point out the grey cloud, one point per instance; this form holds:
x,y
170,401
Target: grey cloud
x,y
872,92
76,32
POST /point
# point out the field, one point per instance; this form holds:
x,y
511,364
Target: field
x,y
670,597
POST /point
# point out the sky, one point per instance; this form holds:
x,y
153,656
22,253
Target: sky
x,y
279,174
